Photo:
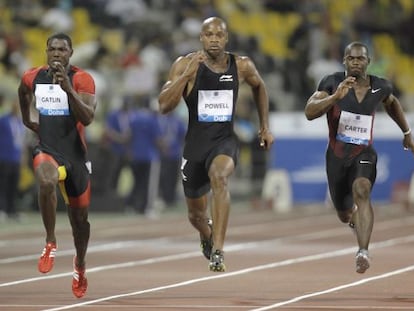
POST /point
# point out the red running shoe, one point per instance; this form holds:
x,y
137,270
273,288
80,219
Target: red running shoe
x,y
79,281
47,259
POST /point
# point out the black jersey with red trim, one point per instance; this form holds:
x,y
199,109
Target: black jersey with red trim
x,y
379,91
211,104
59,131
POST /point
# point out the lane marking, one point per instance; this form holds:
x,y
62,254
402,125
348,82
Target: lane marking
x,y
230,248
337,231
303,237
337,288
303,259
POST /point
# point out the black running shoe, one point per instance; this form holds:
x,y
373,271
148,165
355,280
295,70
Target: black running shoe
x,y
217,262
206,245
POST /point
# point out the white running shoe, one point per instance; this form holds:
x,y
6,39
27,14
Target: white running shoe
x,y
362,261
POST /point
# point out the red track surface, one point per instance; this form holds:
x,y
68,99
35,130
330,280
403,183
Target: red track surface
x,y
301,260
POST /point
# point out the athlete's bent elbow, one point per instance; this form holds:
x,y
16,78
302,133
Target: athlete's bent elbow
x,y
311,113
309,116
163,107
86,120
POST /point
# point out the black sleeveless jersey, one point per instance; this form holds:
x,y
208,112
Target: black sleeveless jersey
x,y
211,105
343,142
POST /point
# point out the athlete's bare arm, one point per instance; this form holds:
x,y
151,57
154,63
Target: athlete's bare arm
x,y
25,101
247,72
321,102
394,109
180,79
82,105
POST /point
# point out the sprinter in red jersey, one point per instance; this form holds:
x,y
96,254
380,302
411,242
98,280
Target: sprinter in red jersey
x,y
64,98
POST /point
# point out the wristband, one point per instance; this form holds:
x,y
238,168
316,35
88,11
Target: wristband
x,y
407,133
265,129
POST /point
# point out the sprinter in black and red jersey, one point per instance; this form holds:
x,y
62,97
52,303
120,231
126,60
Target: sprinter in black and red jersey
x,y
64,97
349,99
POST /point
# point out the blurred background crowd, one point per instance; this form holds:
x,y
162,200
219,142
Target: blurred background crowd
x,y
128,46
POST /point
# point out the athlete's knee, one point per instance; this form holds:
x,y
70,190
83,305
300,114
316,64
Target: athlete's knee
x,y
197,210
218,179
78,216
361,189
47,177
47,185
344,216
196,215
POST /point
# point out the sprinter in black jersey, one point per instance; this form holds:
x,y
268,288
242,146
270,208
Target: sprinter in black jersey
x,y
349,99
208,80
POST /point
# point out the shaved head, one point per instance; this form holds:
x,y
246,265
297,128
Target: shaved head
x,y
356,44
213,21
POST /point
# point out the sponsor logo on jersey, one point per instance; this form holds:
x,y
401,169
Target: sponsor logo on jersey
x,y
226,78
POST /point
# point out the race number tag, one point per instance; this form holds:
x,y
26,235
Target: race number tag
x,y
354,128
51,100
215,106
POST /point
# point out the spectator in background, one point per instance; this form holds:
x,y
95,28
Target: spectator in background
x,y
131,56
245,125
139,79
173,133
322,66
57,18
12,144
299,44
404,35
126,11
375,17
117,133
145,146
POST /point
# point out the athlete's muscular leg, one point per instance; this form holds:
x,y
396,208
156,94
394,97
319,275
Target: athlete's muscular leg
x,y
345,216
347,209
363,217
81,230
220,170
198,215
47,179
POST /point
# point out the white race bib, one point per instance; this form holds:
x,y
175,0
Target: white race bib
x,y
51,100
354,128
215,106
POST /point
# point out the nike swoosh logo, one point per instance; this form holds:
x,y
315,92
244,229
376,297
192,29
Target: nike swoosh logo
x,y
365,162
374,91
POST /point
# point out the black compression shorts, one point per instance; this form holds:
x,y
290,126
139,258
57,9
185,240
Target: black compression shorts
x,y
77,182
342,173
195,178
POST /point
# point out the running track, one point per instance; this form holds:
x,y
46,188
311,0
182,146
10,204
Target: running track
x,y
301,260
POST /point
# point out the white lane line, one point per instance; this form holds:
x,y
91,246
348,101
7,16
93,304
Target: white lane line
x,y
338,231
230,248
353,308
91,249
303,259
337,288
